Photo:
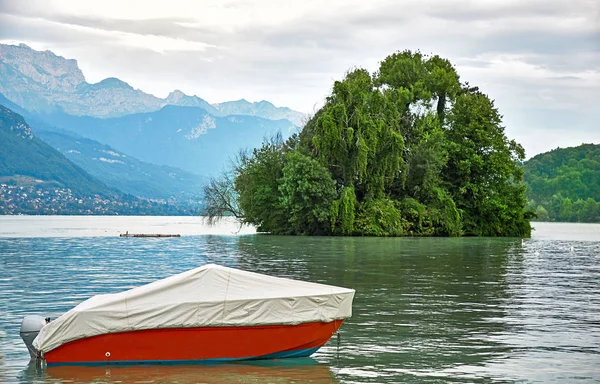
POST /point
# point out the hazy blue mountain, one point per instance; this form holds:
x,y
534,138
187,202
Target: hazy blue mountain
x,y
202,148
114,168
10,105
44,83
24,155
33,120
184,137
126,173
261,109
181,99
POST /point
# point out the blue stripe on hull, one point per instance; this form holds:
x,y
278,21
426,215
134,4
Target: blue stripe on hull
x,y
277,355
282,355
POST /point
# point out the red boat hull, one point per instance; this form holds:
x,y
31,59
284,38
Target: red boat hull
x,y
188,345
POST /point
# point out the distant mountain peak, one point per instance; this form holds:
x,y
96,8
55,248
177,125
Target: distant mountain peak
x,y
175,95
262,108
112,82
42,82
179,98
46,68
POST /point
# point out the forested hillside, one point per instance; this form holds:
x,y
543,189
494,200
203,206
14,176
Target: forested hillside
x,y
407,150
24,154
124,172
564,184
37,179
188,138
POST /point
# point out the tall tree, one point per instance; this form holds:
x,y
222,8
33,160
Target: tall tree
x,y
442,82
415,78
257,185
357,137
221,198
483,172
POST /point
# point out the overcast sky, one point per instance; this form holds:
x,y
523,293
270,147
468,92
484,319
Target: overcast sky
x,y
539,59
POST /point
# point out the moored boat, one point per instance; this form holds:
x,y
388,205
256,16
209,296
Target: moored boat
x,y
207,314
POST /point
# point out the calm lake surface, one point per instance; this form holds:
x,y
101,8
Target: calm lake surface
x,y
426,310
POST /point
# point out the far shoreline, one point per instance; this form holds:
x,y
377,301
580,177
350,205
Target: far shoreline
x,y
36,226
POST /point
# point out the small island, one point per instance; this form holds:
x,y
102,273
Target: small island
x,y
409,150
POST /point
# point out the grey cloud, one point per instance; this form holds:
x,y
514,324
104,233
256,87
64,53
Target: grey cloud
x,y
296,62
461,39
579,61
322,36
19,28
168,27
14,7
481,11
566,78
158,27
553,120
539,42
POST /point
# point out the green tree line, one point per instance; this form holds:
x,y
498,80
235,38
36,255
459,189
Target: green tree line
x,y
564,184
407,150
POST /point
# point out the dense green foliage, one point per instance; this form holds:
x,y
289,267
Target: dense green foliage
x,y
307,190
408,150
564,184
482,173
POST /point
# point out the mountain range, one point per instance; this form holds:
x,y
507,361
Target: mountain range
x,y
45,83
184,137
127,139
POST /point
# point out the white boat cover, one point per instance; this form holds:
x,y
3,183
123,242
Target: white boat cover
x,y
210,295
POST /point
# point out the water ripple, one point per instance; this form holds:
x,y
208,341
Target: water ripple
x,y
426,310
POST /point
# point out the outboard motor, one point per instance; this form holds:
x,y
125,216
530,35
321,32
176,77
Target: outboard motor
x,y
30,327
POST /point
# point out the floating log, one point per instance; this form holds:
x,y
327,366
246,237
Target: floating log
x,y
127,234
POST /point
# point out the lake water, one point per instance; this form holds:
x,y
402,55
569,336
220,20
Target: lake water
x,y
426,310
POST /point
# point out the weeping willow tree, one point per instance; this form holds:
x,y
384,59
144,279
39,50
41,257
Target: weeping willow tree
x,y
423,89
357,137
408,150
